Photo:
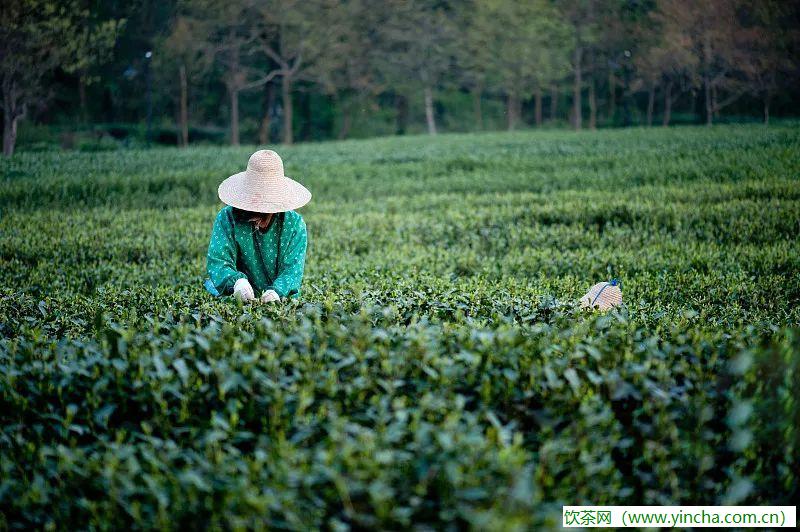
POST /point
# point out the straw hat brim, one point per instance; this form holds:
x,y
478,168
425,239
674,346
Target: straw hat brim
x,y
285,195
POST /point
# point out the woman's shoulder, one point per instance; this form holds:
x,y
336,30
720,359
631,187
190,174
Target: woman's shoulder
x,y
294,219
225,215
225,212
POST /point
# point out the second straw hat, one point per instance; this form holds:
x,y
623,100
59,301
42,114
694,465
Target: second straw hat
x,y
603,296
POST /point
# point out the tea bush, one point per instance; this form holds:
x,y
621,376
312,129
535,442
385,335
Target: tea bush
x,y
436,372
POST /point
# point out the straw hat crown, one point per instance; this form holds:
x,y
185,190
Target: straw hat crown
x,y
263,187
266,164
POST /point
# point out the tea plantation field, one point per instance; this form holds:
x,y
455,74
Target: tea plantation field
x,y
436,372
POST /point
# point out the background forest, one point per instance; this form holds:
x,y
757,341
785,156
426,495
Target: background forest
x,y
94,74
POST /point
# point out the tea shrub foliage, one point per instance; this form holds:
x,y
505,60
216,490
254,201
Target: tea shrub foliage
x,y
437,372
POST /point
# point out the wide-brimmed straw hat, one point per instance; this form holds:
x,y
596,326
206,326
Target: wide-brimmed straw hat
x,y
603,296
263,187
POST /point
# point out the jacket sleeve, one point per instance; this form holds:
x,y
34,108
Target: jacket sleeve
x,y
292,263
221,258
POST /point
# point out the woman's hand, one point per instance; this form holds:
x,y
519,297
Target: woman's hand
x,y
270,295
243,291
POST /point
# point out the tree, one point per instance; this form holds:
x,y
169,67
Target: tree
x,y
667,59
345,68
416,43
711,32
523,50
771,59
227,38
472,51
292,35
581,16
182,60
609,54
232,42
37,37
92,45
720,55
664,59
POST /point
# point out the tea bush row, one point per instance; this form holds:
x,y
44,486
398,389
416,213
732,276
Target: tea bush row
x,y
436,372
318,417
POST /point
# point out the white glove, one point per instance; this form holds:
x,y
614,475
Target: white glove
x,y
269,296
243,291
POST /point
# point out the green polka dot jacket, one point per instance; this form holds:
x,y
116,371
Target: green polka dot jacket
x,y
238,249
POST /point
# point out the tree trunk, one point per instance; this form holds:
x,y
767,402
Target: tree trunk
x,y
592,105
286,94
266,119
667,104
401,121
429,117
767,98
108,106
347,121
537,99
651,103
184,140
706,65
9,132
476,107
304,117
234,93
263,129
612,97
513,109
343,104
82,97
553,102
576,90
714,100
510,111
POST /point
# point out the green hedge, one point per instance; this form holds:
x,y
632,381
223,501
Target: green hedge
x,y
435,372
323,416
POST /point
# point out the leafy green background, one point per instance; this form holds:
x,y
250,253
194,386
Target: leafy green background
x,y
436,371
